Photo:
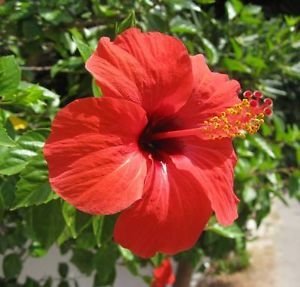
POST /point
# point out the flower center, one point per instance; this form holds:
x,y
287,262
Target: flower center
x,y
158,148
244,117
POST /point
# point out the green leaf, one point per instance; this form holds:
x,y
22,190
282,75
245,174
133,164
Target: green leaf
x,y
36,250
294,185
233,8
83,260
84,50
7,191
293,70
10,76
12,266
238,51
31,283
105,262
48,282
45,222
210,51
262,144
66,65
96,89
128,22
14,159
232,232
83,220
249,194
236,65
206,1
63,284
33,187
126,253
5,140
69,214
181,26
97,223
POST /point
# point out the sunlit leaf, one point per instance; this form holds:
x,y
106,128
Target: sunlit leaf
x,y
14,159
5,139
10,76
33,187
232,231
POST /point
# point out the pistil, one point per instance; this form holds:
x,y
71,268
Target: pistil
x,y
236,121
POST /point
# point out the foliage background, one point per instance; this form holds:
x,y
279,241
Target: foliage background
x,y
43,46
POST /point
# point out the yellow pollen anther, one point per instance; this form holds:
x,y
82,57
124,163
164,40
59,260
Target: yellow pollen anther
x,y
238,120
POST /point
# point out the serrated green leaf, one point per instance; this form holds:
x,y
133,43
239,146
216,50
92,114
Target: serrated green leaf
x,y
5,139
10,76
14,159
33,187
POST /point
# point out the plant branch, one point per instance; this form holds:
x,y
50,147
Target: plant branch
x,y
183,274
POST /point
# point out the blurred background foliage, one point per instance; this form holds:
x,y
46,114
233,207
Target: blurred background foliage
x,y
43,46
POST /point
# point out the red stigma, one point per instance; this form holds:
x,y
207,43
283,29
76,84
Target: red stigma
x,y
268,111
258,94
253,103
247,94
268,102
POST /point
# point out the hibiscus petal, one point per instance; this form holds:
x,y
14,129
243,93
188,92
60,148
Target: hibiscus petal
x,y
213,163
158,66
171,215
212,94
116,71
93,163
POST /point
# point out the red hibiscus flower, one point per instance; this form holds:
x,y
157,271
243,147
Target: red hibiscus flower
x,y
163,274
157,146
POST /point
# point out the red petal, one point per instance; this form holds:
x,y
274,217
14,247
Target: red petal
x,y
157,65
116,72
93,163
213,163
163,274
212,94
171,215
